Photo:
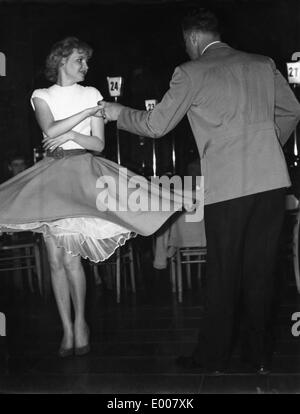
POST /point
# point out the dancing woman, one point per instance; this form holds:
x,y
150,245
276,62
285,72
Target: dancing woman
x,y
59,196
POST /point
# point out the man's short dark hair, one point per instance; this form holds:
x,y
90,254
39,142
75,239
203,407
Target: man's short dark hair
x,y
201,19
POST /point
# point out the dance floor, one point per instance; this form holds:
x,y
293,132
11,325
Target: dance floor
x,y
134,343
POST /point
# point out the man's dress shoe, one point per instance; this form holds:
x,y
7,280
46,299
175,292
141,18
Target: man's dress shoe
x,y
263,369
260,368
190,363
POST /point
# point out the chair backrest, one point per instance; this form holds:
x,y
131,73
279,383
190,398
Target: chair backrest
x,y
17,256
187,234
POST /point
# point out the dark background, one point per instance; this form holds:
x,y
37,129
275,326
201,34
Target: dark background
x,y
139,40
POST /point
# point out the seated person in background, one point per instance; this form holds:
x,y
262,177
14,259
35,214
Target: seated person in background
x,y
16,163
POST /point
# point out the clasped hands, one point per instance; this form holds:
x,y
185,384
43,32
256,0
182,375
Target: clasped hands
x,y
109,111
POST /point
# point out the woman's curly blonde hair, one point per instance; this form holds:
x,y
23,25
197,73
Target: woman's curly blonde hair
x,y
62,49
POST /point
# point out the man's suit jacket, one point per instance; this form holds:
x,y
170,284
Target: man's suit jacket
x,y
241,110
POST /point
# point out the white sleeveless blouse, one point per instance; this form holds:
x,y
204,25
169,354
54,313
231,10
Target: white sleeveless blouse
x,y
65,101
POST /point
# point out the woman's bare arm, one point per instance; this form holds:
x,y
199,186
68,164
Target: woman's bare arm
x,y
95,142
53,128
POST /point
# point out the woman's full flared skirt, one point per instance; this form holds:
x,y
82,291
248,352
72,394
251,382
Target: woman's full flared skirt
x,y
88,204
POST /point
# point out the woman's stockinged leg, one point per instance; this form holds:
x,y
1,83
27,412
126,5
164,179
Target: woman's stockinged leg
x,y
77,286
61,291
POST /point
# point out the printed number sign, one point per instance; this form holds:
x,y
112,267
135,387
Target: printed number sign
x,y
2,64
2,324
293,69
150,104
114,85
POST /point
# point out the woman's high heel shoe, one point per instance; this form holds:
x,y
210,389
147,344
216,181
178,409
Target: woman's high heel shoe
x,y
65,352
82,350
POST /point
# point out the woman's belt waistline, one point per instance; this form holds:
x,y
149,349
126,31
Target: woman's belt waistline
x,y
62,153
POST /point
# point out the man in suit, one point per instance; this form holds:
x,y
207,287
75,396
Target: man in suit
x,y
241,111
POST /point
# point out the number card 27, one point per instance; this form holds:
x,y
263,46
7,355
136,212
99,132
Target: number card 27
x,y
293,69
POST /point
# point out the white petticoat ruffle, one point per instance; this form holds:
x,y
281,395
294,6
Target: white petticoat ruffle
x,y
92,238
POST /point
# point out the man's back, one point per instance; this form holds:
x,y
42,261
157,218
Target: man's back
x,y
235,88
232,118
238,106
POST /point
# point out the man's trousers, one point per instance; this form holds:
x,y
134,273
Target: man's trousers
x,y
242,245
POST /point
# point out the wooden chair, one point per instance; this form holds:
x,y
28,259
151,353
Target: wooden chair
x,y
122,259
22,256
186,256
189,241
